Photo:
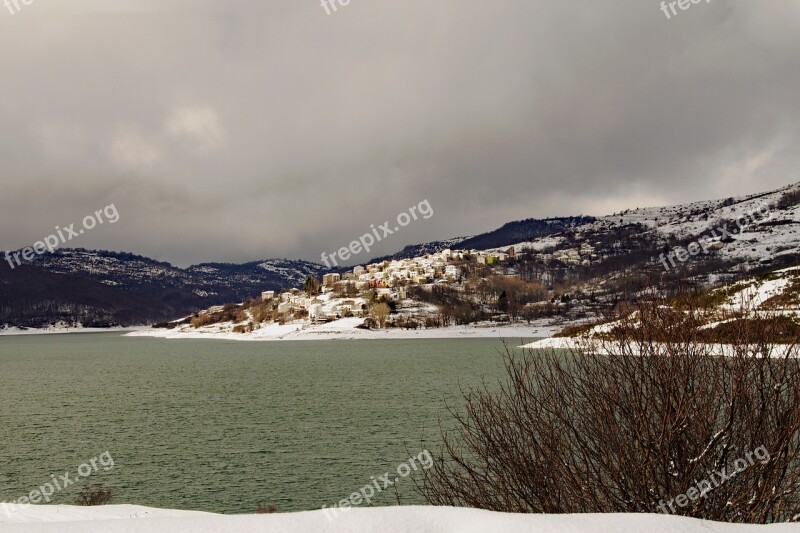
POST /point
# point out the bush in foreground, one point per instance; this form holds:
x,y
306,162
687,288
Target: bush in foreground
x,y
648,418
95,496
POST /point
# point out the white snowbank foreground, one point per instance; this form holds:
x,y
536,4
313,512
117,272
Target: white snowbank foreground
x,y
135,519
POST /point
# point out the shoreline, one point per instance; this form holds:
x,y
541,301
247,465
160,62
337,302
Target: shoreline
x,y
16,332
345,329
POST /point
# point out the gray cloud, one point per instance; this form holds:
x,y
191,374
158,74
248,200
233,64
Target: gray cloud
x,y
244,130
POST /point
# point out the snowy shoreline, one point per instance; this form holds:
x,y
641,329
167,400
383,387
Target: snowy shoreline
x,y
133,518
62,330
345,329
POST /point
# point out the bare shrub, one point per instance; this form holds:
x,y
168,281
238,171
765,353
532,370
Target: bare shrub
x,y
369,323
261,311
789,199
632,420
94,496
244,328
264,508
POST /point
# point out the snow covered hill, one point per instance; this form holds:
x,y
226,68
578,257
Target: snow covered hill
x,y
703,243
749,230
774,295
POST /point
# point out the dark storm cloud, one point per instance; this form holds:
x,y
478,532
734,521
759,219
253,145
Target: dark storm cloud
x,y
244,130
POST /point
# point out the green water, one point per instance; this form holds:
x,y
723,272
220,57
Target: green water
x,y
223,426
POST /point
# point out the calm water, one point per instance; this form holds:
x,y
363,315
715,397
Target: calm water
x,y
223,426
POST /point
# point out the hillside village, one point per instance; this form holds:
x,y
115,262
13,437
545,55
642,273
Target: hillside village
x,y
376,295
389,280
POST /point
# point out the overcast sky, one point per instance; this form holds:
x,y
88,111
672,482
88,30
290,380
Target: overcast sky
x,y
241,130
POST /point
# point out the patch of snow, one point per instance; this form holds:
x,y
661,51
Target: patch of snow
x,y
346,329
135,519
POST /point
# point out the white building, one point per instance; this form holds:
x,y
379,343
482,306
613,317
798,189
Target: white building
x,y
315,314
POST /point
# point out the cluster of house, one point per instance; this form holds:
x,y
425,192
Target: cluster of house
x,y
441,267
389,278
576,256
320,308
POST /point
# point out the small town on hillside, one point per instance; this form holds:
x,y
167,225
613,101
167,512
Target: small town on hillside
x,y
342,295
421,292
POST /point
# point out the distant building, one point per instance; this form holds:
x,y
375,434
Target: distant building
x,y
329,279
268,295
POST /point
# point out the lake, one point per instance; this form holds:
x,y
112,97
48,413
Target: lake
x,y
223,426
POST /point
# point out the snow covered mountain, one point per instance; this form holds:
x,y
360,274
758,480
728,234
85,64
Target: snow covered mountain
x,y
98,288
702,243
508,234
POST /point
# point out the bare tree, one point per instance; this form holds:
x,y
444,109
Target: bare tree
x,y
380,312
634,421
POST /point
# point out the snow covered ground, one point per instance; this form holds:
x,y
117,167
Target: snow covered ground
x,y
753,295
135,519
756,292
345,329
58,329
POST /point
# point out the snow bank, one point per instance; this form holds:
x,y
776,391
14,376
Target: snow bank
x,y
134,519
58,329
345,329
610,347
554,343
